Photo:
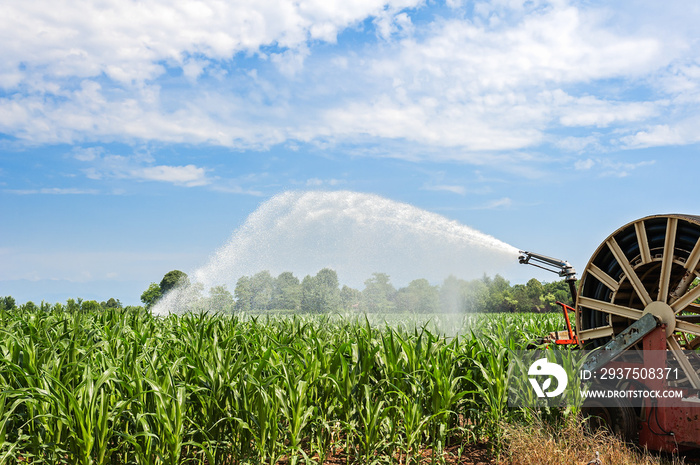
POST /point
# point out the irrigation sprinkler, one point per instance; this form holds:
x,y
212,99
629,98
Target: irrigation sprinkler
x,y
636,304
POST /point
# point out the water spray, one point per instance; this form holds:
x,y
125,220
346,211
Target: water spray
x,y
355,234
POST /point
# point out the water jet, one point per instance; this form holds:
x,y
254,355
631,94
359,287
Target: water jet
x,y
353,233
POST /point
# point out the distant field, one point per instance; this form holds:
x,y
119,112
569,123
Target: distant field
x,y
449,324
123,387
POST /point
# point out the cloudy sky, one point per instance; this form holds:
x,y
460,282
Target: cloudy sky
x,y
136,136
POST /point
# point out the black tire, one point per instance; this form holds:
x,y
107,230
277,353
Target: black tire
x,y
620,418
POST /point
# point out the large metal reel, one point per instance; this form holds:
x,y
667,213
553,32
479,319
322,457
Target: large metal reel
x,y
647,266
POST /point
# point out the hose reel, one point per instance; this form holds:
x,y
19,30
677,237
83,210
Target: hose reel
x,y
636,300
647,266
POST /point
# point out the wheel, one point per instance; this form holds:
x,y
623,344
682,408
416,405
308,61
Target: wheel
x,y
647,266
619,419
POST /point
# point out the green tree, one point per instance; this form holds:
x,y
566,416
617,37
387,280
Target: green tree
x,y
559,291
244,294
262,286
474,294
220,299
73,306
112,303
520,299
308,294
500,298
418,297
8,303
378,294
549,302
286,293
350,298
90,306
328,290
29,306
149,297
534,289
320,294
173,279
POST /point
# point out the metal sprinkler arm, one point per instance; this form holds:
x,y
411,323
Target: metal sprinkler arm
x,y
561,267
554,265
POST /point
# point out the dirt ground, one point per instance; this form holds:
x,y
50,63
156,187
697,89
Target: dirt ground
x,y
474,454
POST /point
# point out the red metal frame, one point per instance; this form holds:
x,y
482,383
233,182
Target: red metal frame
x,y
664,424
573,339
671,425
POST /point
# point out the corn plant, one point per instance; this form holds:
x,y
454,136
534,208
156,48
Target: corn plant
x,y
121,386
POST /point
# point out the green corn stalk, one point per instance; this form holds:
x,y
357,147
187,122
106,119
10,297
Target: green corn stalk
x,y
493,385
295,409
372,416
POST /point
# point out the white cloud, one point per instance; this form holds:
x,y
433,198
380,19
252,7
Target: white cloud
x,y
560,43
449,125
139,166
510,78
591,111
606,167
504,202
316,182
53,191
192,68
455,3
489,87
579,144
188,175
87,153
680,133
131,41
461,190
231,188
290,62
390,24
622,170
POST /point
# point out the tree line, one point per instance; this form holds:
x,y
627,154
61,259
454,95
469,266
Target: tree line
x,y
71,305
323,293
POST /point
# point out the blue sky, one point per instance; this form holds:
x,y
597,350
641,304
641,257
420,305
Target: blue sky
x,y
136,136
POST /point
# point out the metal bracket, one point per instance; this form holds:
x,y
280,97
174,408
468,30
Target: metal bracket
x,y
623,341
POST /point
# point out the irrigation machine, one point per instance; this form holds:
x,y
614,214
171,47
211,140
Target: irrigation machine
x,y
636,307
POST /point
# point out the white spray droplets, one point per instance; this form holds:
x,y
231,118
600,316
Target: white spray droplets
x,y
353,233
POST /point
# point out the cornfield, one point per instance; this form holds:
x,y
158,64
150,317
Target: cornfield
x,y
121,386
